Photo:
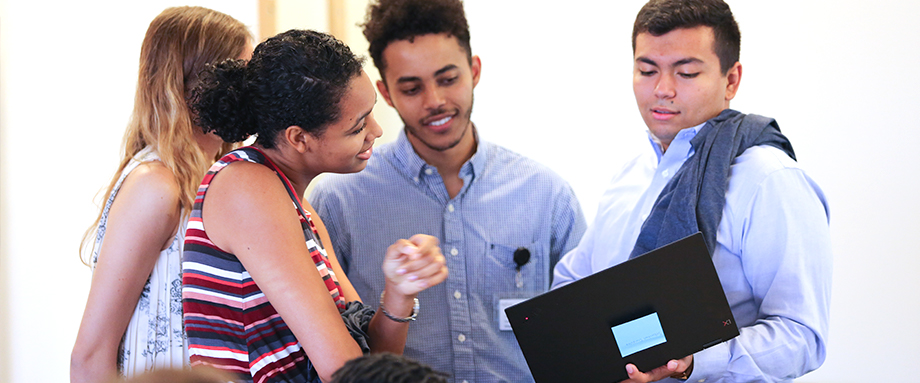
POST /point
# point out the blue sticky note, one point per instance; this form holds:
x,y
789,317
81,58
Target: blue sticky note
x,y
639,334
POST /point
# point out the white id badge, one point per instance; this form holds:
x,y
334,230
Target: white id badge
x,y
503,323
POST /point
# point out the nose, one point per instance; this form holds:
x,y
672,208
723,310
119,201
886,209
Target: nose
x,y
373,128
434,98
664,88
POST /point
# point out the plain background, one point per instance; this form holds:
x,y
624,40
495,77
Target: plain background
x,y
842,79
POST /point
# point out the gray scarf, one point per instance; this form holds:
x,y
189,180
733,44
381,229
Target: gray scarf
x,y
693,200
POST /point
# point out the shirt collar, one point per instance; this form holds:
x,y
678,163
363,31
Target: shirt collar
x,y
685,134
415,167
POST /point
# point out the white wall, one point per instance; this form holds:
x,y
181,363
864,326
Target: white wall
x,y
840,77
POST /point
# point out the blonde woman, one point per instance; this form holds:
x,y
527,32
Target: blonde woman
x,y
132,322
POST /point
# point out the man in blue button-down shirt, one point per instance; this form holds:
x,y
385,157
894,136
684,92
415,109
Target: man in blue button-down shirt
x,y
772,248
503,220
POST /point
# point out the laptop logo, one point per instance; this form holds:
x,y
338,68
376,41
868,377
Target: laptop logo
x,y
725,323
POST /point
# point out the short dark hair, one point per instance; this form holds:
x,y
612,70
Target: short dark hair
x,y
392,20
295,78
387,368
659,17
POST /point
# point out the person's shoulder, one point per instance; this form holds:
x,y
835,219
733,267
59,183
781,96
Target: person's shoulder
x,y
506,161
247,174
768,169
637,168
154,180
763,160
151,187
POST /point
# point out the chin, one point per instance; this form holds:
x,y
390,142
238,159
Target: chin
x,y
349,169
358,168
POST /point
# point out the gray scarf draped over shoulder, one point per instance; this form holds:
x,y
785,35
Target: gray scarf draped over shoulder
x,y
693,200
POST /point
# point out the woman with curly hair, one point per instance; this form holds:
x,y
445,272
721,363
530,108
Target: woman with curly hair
x,y
133,317
262,296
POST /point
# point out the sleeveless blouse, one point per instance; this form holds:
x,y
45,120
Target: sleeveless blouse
x,y
154,338
230,323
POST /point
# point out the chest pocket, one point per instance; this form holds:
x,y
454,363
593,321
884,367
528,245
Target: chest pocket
x,y
500,273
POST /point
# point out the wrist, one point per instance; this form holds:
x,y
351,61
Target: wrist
x,y
684,375
408,304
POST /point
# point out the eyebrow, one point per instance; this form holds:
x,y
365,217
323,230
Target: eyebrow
x,y
680,62
438,72
363,116
647,61
689,60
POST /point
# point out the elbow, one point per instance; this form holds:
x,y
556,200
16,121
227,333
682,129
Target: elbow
x,y
88,364
816,353
811,353
78,362
814,346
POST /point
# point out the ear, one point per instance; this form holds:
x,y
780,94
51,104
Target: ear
x,y
734,80
476,69
298,138
382,87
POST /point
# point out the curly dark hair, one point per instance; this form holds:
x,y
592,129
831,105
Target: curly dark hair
x,y
295,78
392,20
387,368
659,17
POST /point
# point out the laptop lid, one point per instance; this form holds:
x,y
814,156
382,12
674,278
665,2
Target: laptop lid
x,y
665,304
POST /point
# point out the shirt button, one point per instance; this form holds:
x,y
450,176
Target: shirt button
x,y
429,171
457,294
465,381
701,380
454,251
666,173
416,179
461,338
450,208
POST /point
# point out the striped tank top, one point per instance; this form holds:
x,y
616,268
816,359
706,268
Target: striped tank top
x,y
230,323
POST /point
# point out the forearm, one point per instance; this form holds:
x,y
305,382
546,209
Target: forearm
x,y
774,349
573,266
576,263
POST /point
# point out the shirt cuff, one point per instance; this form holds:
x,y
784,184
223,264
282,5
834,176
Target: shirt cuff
x,y
710,364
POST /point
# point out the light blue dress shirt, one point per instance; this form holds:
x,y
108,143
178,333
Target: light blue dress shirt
x,y
507,202
773,257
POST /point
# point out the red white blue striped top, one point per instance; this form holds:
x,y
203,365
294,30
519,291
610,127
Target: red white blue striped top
x,y
230,323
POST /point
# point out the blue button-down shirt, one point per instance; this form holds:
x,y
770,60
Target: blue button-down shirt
x,y
773,257
507,202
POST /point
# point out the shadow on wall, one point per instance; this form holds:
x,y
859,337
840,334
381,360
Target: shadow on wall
x,y
5,352
4,303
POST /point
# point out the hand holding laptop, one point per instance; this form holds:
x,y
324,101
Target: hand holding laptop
x,y
673,369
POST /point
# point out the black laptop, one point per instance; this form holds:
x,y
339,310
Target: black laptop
x,y
665,304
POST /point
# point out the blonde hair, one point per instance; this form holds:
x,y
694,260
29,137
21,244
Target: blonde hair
x,y
178,45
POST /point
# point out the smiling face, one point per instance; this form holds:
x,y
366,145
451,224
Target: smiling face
x,y
678,81
345,145
429,80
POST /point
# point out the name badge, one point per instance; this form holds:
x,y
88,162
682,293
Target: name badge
x,y
503,323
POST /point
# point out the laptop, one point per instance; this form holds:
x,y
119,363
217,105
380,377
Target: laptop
x,y
665,304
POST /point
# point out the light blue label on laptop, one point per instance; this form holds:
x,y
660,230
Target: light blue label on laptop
x,y
639,334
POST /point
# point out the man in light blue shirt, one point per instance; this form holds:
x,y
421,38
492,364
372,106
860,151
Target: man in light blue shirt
x,y
503,220
769,234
